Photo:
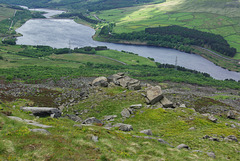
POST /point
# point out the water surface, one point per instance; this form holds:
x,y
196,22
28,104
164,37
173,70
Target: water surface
x,y
60,33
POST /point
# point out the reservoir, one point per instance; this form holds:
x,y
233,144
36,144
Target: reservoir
x,y
61,33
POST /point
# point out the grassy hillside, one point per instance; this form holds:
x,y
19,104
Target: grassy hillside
x,y
69,142
210,16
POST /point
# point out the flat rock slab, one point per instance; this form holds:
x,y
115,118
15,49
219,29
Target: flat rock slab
x,y
29,122
43,111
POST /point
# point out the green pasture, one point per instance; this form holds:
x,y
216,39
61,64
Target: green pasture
x,y
202,16
6,13
84,58
127,58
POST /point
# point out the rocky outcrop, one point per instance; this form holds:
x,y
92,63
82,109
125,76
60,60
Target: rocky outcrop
x,y
43,111
126,82
100,81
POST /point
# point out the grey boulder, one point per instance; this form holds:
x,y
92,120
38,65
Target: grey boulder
x,y
100,81
147,132
43,111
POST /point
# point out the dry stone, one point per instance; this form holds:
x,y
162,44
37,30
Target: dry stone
x,y
154,94
147,132
43,111
166,103
181,146
125,113
212,118
100,81
231,114
92,120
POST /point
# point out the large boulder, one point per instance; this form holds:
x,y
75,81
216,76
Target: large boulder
x,y
166,103
100,81
43,111
154,94
92,120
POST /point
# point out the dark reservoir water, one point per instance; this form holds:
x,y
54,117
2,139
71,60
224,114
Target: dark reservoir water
x,y
60,33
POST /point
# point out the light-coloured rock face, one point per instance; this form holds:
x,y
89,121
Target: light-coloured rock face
x,y
100,81
154,94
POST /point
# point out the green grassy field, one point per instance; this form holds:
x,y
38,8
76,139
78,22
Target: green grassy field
x,y
219,18
126,57
5,12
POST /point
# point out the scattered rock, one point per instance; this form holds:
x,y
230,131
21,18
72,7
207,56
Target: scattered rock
x,y
181,146
211,154
233,126
43,111
154,95
231,138
206,137
231,114
109,117
147,132
95,138
137,106
182,106
125,113
166,103
74,118
214,139
212,118
124,127
192,128
206,114
163,141
43,131
100,81
92,120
